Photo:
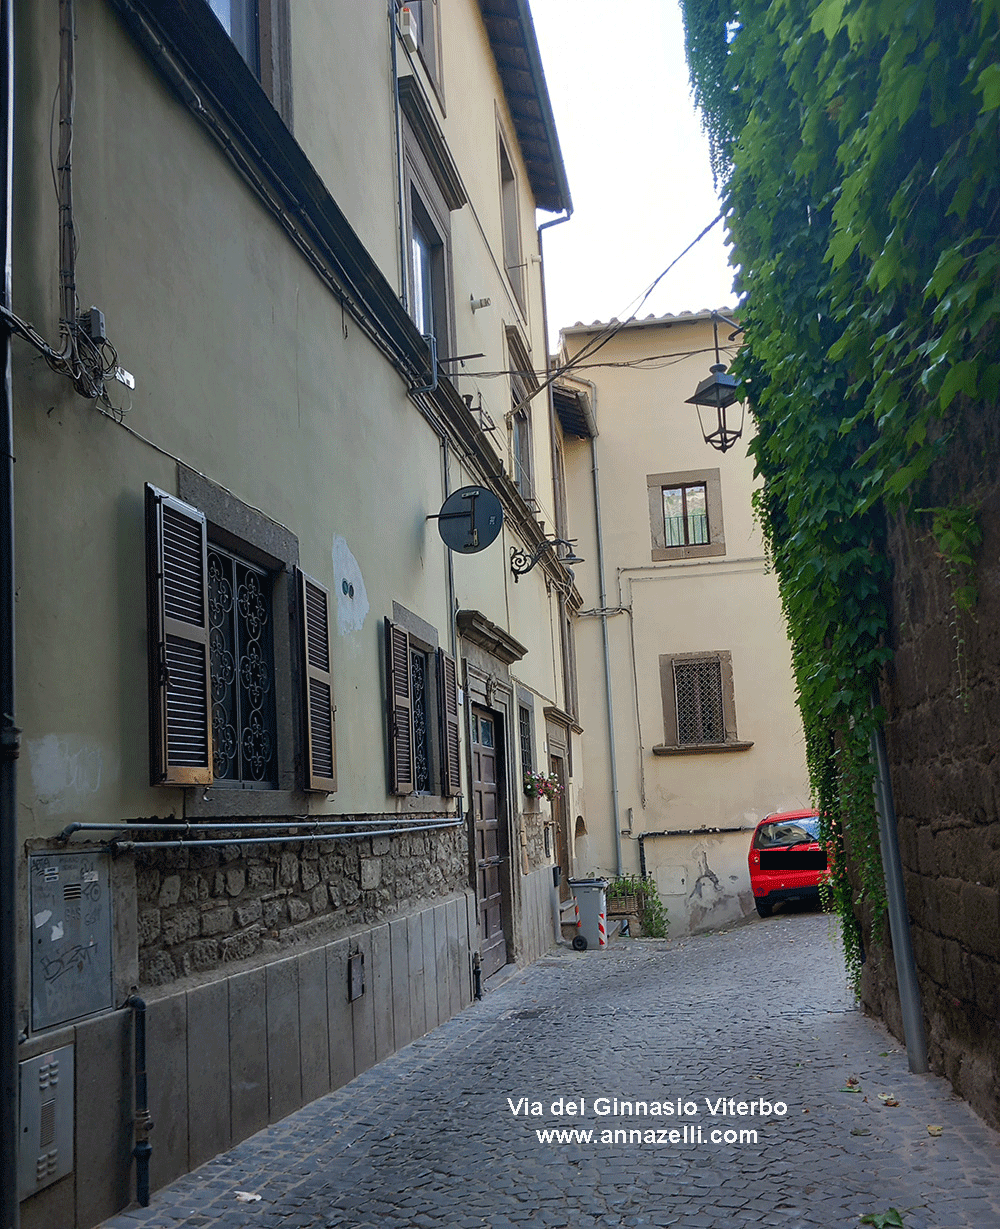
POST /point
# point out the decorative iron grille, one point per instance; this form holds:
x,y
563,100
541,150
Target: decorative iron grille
x,y
524,731
242,658
698,692
685,515
421,741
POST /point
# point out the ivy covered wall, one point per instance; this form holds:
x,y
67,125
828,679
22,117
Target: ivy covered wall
x,y
856,146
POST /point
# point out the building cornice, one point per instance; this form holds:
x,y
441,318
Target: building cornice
x,y
476,628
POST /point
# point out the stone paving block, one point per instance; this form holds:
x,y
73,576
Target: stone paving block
x,y
427,1138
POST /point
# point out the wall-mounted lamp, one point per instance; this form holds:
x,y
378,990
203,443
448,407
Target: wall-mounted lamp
x,y
521,563
478,303
718,392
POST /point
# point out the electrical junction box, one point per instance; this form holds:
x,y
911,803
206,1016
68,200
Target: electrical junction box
x,y
45,1153
70,937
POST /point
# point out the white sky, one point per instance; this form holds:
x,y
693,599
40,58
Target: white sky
x,y
636,160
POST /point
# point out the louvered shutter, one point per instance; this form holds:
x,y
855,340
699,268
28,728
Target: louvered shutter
x,y
179,666
451,753
320,721
400,709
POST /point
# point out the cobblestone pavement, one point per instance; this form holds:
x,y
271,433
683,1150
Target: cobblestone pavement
x,y
759,1013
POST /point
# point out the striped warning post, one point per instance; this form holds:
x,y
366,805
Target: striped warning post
x,y
602,931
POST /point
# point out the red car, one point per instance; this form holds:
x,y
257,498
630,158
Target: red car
x,y
786,859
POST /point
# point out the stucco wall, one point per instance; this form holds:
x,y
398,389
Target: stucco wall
x,y
723,602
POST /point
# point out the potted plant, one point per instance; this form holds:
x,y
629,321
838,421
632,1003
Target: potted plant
x,y
542,785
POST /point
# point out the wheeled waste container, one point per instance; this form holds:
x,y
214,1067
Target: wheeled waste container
x,y
592,912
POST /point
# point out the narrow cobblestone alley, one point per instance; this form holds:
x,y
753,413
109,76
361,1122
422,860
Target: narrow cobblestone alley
x,y
758,1013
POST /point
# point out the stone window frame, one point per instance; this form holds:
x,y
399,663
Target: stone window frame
x,y
668,696
510,221
249,533
525,731
271,67
711,479
428,210
428,40
422,637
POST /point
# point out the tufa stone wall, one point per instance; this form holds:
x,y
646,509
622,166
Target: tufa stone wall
x,y
942,697
534,819
200,908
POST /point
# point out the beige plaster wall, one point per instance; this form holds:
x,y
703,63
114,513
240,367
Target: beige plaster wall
x,y
247,371
727,602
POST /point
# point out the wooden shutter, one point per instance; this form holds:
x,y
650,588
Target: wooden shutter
x,y
400,708
317,691
179,668
451,752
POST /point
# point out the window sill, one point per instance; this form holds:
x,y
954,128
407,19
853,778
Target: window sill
x,y
708,550
702,748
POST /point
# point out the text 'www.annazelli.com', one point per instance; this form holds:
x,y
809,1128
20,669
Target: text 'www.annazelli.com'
x,y
689,1136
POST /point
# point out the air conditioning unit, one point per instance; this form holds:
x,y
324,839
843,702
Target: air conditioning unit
x,y
408,29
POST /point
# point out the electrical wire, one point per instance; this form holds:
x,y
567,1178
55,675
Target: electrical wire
x,y
611,330
652,362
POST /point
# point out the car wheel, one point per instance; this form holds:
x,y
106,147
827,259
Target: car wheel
x,y
764,906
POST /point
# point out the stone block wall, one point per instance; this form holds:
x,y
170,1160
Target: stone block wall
x,y
228,1054
202,908
942,698
535,817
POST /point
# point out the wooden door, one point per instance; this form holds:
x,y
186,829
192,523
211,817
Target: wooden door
x,y
490,860
556,765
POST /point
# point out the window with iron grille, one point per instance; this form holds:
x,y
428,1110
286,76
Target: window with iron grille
x,y
241,651
699,704
422,709
698,696
235,639
524,732
419,704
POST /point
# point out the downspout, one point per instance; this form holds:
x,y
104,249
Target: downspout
x,y
400,178
899,918
602,606
143,1123
9,733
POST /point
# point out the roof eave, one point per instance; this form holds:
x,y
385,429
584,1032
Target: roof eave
x,y
548,181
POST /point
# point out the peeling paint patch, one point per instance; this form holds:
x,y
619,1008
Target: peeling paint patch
x,y
352,597
706,881
67,769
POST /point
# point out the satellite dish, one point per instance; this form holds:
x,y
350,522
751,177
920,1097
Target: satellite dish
x,y
470,519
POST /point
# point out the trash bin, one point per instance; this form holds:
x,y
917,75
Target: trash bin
x,y
592,912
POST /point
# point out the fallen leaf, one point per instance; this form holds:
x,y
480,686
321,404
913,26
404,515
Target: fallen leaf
x,y
860,1131
887,1098
934,1130
247,1197
849,1088
852,1079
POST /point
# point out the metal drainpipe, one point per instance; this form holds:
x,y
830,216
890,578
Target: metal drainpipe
x,y
143,1122
602,602
899,918
400,177
645,836
9,734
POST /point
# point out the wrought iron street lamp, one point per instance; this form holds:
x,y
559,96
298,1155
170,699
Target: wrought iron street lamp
x,y
718,391
521,562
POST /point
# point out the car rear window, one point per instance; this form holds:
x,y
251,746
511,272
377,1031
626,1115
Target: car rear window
x,y
784,832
